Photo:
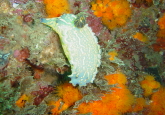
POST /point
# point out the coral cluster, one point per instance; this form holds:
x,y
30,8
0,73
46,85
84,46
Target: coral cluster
x,y
140,37
22,100
55,8
115,103
149,84
68,95
114,13
34,69
160,41
157,105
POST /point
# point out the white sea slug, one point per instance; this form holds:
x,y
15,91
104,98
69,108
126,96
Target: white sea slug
x,y
80,46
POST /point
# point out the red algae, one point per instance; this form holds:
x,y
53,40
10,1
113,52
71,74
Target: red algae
x,y
41,94
21,55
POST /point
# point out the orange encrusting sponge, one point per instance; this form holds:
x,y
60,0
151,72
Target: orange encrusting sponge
x,y
114,13
149,84
115,103
68,96
55,8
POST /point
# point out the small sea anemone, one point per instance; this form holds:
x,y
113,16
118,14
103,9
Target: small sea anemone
x,y
149,84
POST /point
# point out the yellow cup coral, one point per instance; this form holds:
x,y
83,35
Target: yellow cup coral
x,y
157,106
68,95
115,103
149,84
161,22
114,13
55,8
141,37
22,100
140,104
112,54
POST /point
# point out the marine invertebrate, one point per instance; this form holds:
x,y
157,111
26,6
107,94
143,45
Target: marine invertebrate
x,y
157,105
112,54
22,100
55,8
139,105
159,45
141,37
114,13
115,103
161,22
68,95
66,91
160,41
149,84
57,107
80,46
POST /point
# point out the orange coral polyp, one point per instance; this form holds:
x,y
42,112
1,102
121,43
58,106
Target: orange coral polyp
x,y
114,13
55,8
67,91
161,33
115,103
141,37
157,106
149,84
22,100
161,22
68,96
119,78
